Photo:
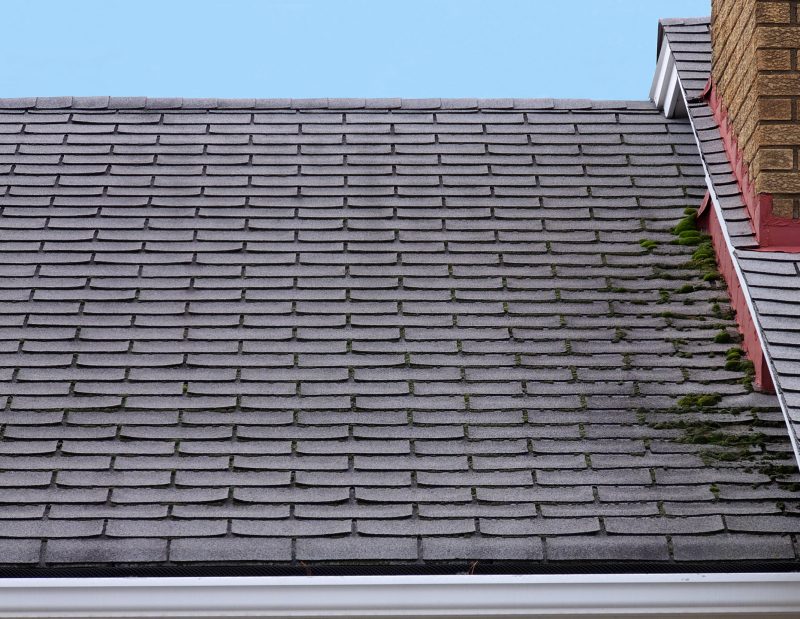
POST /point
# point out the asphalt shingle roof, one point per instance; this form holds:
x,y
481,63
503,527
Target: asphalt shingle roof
x,y
368,331
773,278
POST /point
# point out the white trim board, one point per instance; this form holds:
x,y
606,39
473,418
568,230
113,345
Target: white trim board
x,y
665,90
742,596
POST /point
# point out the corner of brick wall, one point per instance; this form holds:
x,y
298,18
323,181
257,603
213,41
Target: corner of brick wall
x,y
755,69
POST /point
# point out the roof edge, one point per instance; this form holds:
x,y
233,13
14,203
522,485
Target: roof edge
x,y
685,21
177,103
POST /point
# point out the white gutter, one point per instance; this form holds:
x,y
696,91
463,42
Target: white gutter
x,y
742,596
743,283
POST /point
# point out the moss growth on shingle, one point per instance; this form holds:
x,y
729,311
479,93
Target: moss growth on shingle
x,y
690,237
709,435
688,223
723,337
704,258
699,400
735,361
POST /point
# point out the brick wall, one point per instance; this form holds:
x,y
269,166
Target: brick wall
x,y
755,47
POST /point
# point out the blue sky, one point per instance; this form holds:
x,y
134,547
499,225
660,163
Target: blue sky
x,y
602,49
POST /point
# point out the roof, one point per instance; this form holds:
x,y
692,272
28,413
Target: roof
x,y
403,334
772,277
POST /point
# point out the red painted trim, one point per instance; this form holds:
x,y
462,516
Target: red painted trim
x,y
772,233
707,218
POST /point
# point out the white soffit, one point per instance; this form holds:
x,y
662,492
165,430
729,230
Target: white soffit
x,y
741,596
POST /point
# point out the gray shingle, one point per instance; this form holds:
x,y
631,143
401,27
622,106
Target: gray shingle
x,y
476,549
104,551
645,548
20,551
228,549
357,549
732,547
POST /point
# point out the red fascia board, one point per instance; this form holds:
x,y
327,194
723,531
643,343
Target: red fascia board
x,y
772,233
751,343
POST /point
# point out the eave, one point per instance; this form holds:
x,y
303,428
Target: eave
x,y
595,595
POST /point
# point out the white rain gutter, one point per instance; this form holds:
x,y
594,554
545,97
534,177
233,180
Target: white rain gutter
x,y
742,596
743,282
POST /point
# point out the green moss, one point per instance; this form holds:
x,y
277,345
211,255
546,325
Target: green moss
x,y
734,354
735,361
704,258
733,365
726,455
706,436
699,400
686,289
688,223
648,244
777,470
723,337
690,237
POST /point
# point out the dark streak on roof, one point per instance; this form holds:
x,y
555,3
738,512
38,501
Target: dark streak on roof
x,y
368,335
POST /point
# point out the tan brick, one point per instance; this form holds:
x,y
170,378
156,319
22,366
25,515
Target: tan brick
x,y
773,12
778,135
782,207
775,159
778,36
778,182
778,84
774,60
774,109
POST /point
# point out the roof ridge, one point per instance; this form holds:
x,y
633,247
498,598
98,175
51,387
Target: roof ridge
x,y
685,21
161,103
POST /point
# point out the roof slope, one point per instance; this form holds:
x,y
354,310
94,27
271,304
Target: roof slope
x,y
773,278
372,335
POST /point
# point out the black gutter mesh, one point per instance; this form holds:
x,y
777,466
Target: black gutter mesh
x,y
474,568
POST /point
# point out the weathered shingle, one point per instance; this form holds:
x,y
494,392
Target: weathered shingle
x,y
396,331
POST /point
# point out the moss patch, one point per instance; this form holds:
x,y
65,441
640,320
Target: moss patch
x,y
723,337
699,400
